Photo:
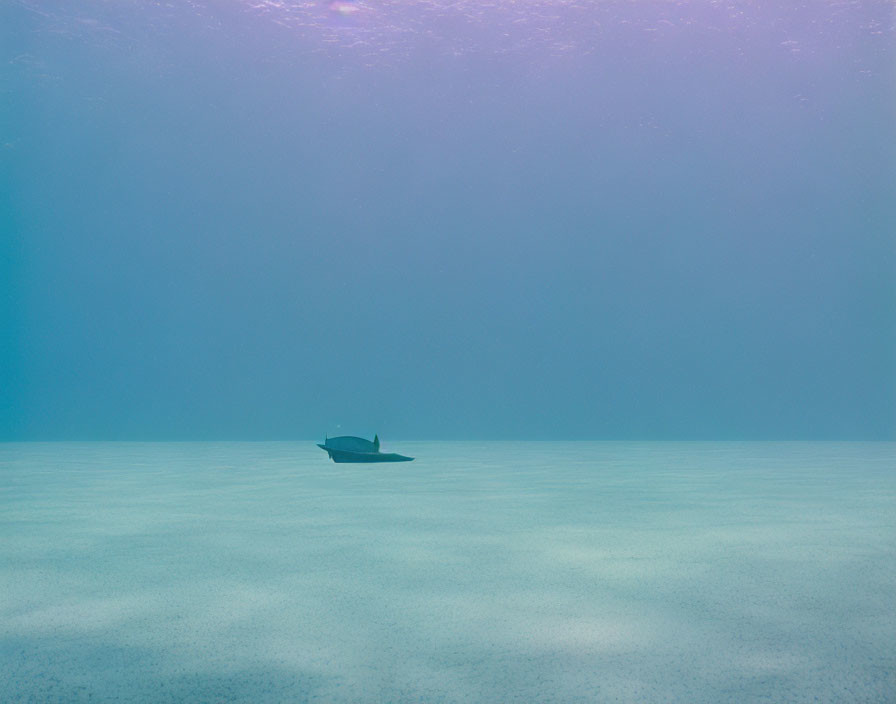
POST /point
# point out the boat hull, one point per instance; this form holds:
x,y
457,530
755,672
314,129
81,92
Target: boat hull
x,y
346,456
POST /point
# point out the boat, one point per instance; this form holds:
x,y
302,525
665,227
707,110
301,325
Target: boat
x,y
348,448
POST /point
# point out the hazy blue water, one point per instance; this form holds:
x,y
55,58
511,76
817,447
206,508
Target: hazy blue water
x,y
541,219
256,572
447,219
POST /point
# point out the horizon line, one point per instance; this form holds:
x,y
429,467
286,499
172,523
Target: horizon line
x,y
456,439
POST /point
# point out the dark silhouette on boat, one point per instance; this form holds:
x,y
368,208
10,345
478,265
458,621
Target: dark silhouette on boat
x,y
348,448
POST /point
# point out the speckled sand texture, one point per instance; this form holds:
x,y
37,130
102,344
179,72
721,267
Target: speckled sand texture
x,y
481,572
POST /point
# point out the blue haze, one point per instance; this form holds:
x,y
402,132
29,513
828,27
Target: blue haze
x,y
549,220
553,219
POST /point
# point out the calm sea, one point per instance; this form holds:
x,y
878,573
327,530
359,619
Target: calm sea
x,y
483,571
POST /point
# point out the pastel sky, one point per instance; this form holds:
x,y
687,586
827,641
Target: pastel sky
x,y
447,219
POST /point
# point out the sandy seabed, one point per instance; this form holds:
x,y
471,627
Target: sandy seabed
x,y
481,572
